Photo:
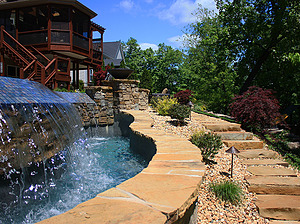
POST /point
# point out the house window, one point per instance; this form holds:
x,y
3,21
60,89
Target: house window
x,y
60,17
8,19
80,23
13,71
33,18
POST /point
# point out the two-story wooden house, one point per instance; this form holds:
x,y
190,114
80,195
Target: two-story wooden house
x,y
43,40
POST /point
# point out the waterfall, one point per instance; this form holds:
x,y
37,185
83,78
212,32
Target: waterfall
x,y
37,130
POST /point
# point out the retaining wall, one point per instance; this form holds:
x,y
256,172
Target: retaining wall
x,y
164,192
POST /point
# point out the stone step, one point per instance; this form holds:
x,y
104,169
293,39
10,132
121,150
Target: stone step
x,y
244,144
257,153
223,126
274,185
271,171
284,207
254,162
235,135
283,222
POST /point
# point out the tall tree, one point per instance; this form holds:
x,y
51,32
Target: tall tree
x,y
208,66
134,57
259,33
167,71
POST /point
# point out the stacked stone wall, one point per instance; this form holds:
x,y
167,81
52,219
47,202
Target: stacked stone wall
x,y
113,96
127,94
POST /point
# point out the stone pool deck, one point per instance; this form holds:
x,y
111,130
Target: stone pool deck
x,y
164,192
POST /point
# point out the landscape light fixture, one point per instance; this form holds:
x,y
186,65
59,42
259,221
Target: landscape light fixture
x,y
232,151
190,104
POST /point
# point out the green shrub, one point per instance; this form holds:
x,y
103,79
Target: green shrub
x,y
227,191
179,112
62,90
199,106
164,104
208,143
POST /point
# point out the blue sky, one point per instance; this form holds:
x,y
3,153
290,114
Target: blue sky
x,y
150,22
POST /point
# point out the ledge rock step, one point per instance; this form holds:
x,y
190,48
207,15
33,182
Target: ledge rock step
x,y
257,153
235,135
274,185
221,127
271,171
244,144
253,162
285,207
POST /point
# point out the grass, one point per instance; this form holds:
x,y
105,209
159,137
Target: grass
x,y
213,115
227,191
279,143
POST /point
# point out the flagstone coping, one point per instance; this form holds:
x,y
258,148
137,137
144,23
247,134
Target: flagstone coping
x,y
163,192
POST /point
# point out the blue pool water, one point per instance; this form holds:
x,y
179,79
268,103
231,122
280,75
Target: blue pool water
x,y
73,177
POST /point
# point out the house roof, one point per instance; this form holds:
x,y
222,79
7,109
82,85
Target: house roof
x,y
111,49
27,3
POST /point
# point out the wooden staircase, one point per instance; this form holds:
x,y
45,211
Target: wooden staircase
x,y
31,68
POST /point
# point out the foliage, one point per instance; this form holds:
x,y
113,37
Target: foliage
x,y
246,43
146,80
179,112
227,191
208,67
198,106
260,35
122,64
100,74
256,108
61,90
184,96
279,142
163,105
208,143
163,66
81,86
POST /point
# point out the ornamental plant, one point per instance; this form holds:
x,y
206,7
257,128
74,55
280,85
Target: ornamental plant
x,y
100,74
227,191
179,112
256,108
208,143
184,96
163,105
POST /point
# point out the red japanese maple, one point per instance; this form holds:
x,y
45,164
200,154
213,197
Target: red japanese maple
x,y
100,74
256,108
184,96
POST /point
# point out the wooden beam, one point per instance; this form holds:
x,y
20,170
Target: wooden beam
x,y
88,74
77,75
74,76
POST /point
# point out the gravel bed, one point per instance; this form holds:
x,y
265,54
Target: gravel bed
x,y
211,209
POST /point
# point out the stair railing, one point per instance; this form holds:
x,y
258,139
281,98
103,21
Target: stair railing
x,y
48,72
21,52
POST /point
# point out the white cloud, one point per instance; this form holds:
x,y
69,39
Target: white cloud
x,y
126,4
145,46
183,41
177,41
180,12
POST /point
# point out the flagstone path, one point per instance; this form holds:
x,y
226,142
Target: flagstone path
x,y
277,186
